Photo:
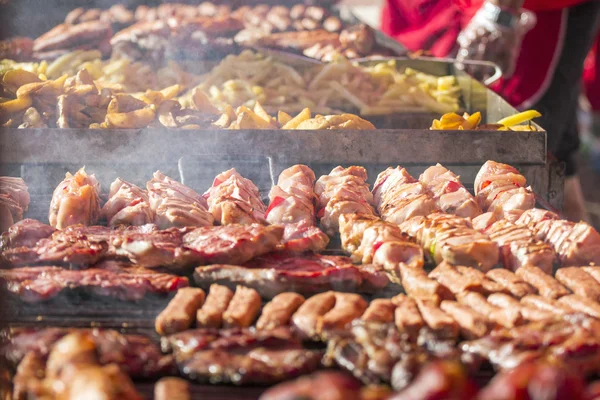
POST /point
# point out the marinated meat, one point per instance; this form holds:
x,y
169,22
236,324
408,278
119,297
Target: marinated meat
x,y
217,302
35,284
579,282
418,285
519,246
507,318
306,319
343,191
512,283
436,319
574,243
25,233
471,324
547,304
326,385
488,285
347,308
306,274
176,205
304,236
242,309
233,199
528,312
581,304
278,312
380,310
172,389
449,193
453,239
241,356
16,189
180,313
449,276
535,215
407,316
500,189
400,197
127,205
76,200
545,284
65,36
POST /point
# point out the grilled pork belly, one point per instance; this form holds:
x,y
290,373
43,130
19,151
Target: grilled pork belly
x,y
76,200
127,205
176,205
453,239
400,197
519,246
500,189
233,199
449,193
343,191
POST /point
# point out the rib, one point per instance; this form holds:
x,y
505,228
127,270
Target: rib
x,y
579,282
500,188
511,282
449,193
127,205
453,239
343,191
217,301
180,313
233,199
399,197
76,200
242,309
176,205
279,311
545,284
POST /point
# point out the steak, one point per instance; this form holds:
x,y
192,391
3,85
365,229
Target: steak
x,y
307,274
25,233
35,284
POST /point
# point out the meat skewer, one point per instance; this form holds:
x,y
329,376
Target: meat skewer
x,y
176,205
76,200
127,205
233,199
292,202
449,193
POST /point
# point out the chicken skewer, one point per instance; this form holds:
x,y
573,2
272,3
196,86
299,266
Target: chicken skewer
x,y
127,205
293,204
76,200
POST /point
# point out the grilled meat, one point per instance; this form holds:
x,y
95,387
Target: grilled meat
x,y
545,284
529,312
217,302
436,319
407,316
25,233
579,282
380,310
581,304
400,197
327,385
500,189
35,284
306,319
449,193
470,322
241,356
535,215
10,212
172,389
180,313
418,285
127,205
303,236
547,304
176,205
242,309
279,311
306,274
16,189
453,239
347,308
507,318
513,284
343,191
461,279
233,199
76,200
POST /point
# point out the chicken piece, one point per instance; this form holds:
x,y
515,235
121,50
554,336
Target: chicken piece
x,y
580,282
407,316
449,193
546,304
379,310
127,205
449,276
217,301
16,189
307,317
293,198
511,282
417,284
176,205
484,221
574,243
545,284
347,308
507,318
535,215
180,313
436,319
279,311
172,388
233,199
472,324
76,200
528,312
243,308
582,304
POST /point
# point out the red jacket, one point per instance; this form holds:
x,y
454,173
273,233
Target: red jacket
x,y
434,25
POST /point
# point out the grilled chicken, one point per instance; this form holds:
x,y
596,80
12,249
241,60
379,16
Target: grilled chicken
x,y
293,204
76,200
500,189
233,199
453,239
127,205
343,191
399,197
176,205
535,215
449,193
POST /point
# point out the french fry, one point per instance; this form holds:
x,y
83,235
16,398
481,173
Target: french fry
x,y
260,111
297,120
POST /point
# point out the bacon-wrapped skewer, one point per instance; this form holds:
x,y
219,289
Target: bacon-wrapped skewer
x,y
453,239
371,240
500,189
293,204
399,197
343,191
233,199
176,205
449,193
76,200
127,205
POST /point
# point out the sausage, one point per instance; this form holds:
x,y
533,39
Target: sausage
x,y
243,308
546,304
306,318
279,310
505,317
472,324
528,312
347,308
511,282
380,310
407,316
580,282
449,276
180,312
211,313
436,319
582,304
418,285
546,285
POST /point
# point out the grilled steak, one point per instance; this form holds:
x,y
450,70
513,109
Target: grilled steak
x,y
240,356
283,272
25,233
34,284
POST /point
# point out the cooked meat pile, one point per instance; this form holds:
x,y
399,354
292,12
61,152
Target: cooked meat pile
x,y
14,201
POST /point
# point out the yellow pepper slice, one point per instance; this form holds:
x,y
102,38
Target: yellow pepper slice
x,y
519,118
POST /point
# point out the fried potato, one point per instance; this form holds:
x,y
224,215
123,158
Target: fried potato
x,y
283,117
202,103
16,105
14,79
130,120
297,120
226,118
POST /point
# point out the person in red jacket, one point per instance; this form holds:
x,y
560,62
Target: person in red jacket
x,y
544,75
